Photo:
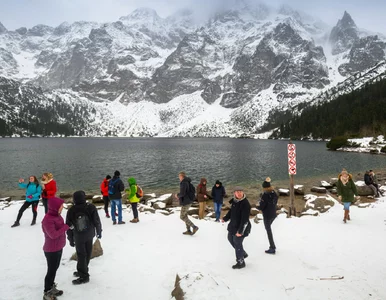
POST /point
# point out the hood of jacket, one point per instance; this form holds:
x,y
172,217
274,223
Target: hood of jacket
x,y
238,200
203,180
132,181
53,206
349,176
79,197
219,183
186,179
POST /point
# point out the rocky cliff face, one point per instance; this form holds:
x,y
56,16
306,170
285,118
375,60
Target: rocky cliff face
x,y
237,67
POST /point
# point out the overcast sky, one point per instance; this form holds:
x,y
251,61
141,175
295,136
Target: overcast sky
x,y
368,14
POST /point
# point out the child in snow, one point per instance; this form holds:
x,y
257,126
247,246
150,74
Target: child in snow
x,y
132,196
267,205
32,196
347,192
218,194
54,231
49,189
105,193
239,226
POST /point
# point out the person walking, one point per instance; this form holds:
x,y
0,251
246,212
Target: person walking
x,y
84,220
116,187
186,197
32,196
202,197
239,226
347,192
49,189
267,205
54,230
133,197
105,194
218,194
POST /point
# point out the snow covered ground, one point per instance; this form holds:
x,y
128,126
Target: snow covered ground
x,y
366,145
141,261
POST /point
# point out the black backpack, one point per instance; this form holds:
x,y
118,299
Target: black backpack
x,y
192,192
82,220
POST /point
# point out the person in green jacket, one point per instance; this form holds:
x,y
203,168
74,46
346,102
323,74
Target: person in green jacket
x,y
347,192
133,197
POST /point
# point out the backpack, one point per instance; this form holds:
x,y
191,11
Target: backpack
x,y
112,186
191,192
139,192
82,220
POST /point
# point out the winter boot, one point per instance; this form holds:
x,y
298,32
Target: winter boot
x,y
348,216
240,264
115,223
270,251
33,222
15,224
245,255
195,229
49,296
345,216
80,280
187,232
135,220
107,215
121,222
55,291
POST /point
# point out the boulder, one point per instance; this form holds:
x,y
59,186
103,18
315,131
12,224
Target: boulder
x,y
196,285
310,212
96,251
65,195
326,184
97,199
254,212
5,199
145,208
193,211
283,192
166,199
334,181
159,205
363,189
334,191
319,190
318,203
299,190
211,215
89,197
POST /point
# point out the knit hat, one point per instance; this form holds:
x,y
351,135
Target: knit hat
x,y
108,177
117,173
344,171
218,182
238,188
267,183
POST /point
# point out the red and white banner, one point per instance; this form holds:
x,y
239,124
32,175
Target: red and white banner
x,y
292,159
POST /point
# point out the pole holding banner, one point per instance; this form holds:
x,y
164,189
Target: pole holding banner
x,y
292,173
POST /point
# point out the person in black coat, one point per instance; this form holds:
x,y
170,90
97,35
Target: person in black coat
x,y
218,194
83,220
116,187
239,226
267,205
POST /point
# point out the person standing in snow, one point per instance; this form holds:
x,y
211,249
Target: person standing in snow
x,y
54,231
116,187
347,192
84,220
239,226
105,194
186,197
49,189
267,205
218,194
202,197
32,196
132,197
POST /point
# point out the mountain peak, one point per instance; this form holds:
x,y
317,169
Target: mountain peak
x,y
344,34
2,28
347,21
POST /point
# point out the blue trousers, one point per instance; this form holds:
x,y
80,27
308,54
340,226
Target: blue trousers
x,y
217,210
116,203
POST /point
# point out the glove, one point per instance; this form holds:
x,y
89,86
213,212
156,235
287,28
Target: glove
x,y
72,244
29,197
72,227
99,236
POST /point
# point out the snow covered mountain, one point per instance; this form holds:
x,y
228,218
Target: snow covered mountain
x,y
150,76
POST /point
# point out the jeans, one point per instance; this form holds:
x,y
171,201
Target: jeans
x,y
116,203
184,217
134,207
53,263
237,244
267,224
45,204
217,210
83,252
25,206
106,201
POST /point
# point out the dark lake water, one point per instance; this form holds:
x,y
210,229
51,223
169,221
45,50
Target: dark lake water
x,y
82,163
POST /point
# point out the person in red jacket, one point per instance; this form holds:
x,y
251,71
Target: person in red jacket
x,y
54,230
49,189
105,194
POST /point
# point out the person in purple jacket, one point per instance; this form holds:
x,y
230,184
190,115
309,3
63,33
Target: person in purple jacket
x,y
54,230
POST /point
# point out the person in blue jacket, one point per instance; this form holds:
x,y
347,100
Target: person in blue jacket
x,y
32,196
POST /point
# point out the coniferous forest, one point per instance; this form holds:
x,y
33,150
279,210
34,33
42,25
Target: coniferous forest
x,y
360,113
